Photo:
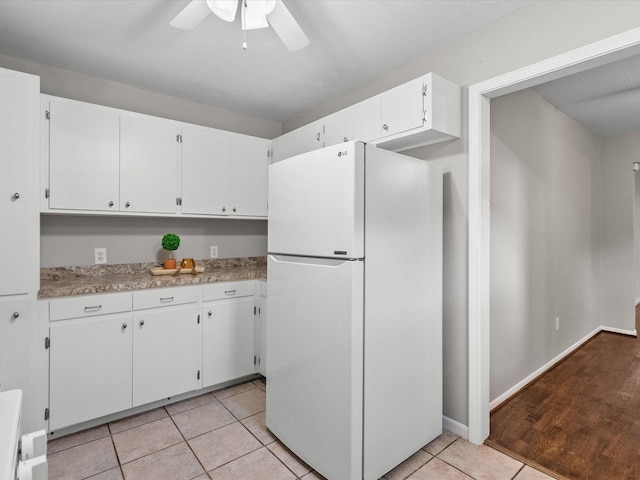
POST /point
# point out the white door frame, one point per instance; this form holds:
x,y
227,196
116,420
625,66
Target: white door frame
x,y
602,52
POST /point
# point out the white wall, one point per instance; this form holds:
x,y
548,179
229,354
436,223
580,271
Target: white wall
x,y
545,235
68,240
67,84
618,275
539,31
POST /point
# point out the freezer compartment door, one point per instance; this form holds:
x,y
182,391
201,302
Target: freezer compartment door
x,y
314,364
316,203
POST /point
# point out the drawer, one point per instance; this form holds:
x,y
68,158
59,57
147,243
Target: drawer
x,y
165,297
89,305
219,291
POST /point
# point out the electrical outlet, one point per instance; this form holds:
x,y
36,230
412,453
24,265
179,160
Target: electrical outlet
x,y
100,255
557,323
214,252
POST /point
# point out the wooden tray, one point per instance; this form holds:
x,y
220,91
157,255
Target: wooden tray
x,y
171,271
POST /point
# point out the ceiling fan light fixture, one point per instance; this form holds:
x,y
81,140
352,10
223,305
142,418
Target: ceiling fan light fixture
x,y
254,13
224,9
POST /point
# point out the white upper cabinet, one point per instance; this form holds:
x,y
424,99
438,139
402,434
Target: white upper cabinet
x,y
420,112
99,159
338,127
18,181
224,173
402,108
205,156
148,164
84,158
366,120
304,139
247,182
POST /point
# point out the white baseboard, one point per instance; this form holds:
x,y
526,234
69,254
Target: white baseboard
x,y
518,386
455,427
633,333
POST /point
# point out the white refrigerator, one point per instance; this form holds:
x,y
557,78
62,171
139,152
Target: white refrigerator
x,y
354,336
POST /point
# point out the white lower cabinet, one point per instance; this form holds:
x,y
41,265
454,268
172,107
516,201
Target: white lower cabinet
x,y
89,368
166,353
228,332
112,352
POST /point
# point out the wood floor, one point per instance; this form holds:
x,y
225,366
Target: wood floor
x,y
581,419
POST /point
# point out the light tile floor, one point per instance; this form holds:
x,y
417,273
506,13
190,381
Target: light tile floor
x,y
222,436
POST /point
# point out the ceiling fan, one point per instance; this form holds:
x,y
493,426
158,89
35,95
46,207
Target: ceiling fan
x,y
254,14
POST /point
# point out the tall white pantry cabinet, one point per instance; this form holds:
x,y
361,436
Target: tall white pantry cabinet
x,y
23,358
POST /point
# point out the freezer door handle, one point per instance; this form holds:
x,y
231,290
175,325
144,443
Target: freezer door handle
x,y
325,261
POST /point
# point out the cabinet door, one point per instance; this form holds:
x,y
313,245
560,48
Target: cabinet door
x,y
90,369
19,133
205,157
402,108
148,164
301,140
338,128
262,332
166,353
366,120
83,157
228,340
248,164
15,318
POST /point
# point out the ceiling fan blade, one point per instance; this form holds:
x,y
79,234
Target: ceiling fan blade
x,y
191,15
287,28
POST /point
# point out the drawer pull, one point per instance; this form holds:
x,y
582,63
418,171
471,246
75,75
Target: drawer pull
x,y
16,314
124,325
166,299
210,313
229,292
93,308
141,322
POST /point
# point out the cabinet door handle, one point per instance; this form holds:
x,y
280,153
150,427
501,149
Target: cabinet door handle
x,y
111,204
124,325
229,292
318,136
345,139
166,299
224,209
385,127
93,308
128,204
210,313
234,209
141,322
16,195
16,314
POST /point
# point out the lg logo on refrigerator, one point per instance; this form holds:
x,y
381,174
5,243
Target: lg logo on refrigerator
x,y
343,154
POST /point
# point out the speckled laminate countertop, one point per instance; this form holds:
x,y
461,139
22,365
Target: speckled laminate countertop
x,y
66,281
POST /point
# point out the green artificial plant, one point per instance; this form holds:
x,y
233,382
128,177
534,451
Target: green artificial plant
x,y
170,242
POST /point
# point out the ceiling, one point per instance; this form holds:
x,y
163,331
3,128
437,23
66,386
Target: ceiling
x,y
605,100
131,42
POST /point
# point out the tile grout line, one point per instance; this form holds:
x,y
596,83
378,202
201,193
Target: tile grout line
x,y
187,442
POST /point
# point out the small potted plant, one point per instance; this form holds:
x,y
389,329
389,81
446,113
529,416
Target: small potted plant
x,y
170,242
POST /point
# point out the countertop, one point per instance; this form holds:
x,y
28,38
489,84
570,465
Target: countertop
x,y
67,281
